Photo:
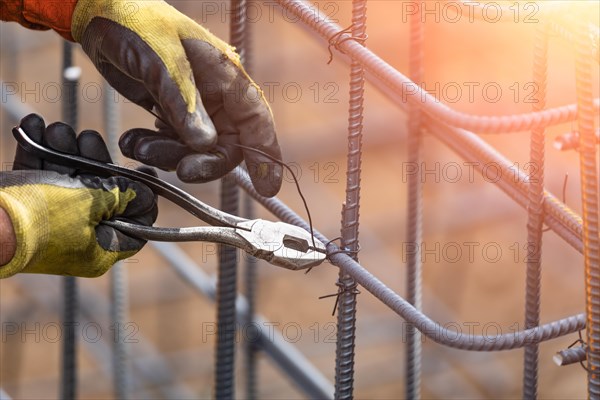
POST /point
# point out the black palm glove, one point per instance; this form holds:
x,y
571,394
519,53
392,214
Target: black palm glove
x,y
164,61
56,211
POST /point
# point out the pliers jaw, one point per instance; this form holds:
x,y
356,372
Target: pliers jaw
x,y
282,244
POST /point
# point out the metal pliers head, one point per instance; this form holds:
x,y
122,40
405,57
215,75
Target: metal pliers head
x,y
282,244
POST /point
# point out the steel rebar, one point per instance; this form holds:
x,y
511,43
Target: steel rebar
x,y
118,274
251,348
535,215
559,217
570,356
438,333
412,92
228,263
226,295
589,199
414,222
70,81
347,293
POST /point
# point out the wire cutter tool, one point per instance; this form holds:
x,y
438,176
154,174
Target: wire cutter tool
x,y
280,244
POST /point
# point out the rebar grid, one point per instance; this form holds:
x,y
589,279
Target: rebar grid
x,y
579,233
414,222
535,215
400,306
412,92
528,192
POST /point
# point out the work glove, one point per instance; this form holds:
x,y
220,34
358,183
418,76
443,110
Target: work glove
x,y
205,102
56,211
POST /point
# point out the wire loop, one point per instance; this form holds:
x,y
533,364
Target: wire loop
x,y
336,40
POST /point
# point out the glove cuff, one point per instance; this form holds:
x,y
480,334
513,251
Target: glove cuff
x,y
55,15
28,224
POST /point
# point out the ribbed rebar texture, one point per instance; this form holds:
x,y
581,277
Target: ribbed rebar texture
x,y
414,222
589,199
570,356
227,282
71,301
251,345
560,218
226,295
535,215
431,329
118,314
118,273
346,317
413,93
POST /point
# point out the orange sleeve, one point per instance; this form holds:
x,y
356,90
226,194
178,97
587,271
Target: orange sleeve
x,y
40,14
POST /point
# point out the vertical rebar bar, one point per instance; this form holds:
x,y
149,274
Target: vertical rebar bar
x,y
118,273
70,80
226,295
346,318
535,214
227,276
414,230
251,347
589,199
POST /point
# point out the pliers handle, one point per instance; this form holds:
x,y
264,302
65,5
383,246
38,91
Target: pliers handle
x,y
281,244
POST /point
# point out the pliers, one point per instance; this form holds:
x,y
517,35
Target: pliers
x,y
280,244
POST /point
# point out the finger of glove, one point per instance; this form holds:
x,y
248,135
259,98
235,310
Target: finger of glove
x,y
245,107
206,167
255,124
151,171
91,145
62,138
114,240
141,210
153,149
180,103
34,126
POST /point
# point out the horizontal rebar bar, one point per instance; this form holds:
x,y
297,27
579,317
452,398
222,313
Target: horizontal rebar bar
x,y
570,356
309,15
400,306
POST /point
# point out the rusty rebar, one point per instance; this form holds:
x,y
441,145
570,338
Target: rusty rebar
x,y
227,275
251,348
346,317
119,294
535,214
589,200
70,287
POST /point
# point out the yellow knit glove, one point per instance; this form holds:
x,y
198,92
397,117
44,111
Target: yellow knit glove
x,y
164,61
56,210
56,221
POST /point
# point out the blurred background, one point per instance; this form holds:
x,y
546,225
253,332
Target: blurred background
x,y
170,323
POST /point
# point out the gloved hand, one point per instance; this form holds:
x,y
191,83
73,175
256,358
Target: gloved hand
x,y
164,61
56,211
